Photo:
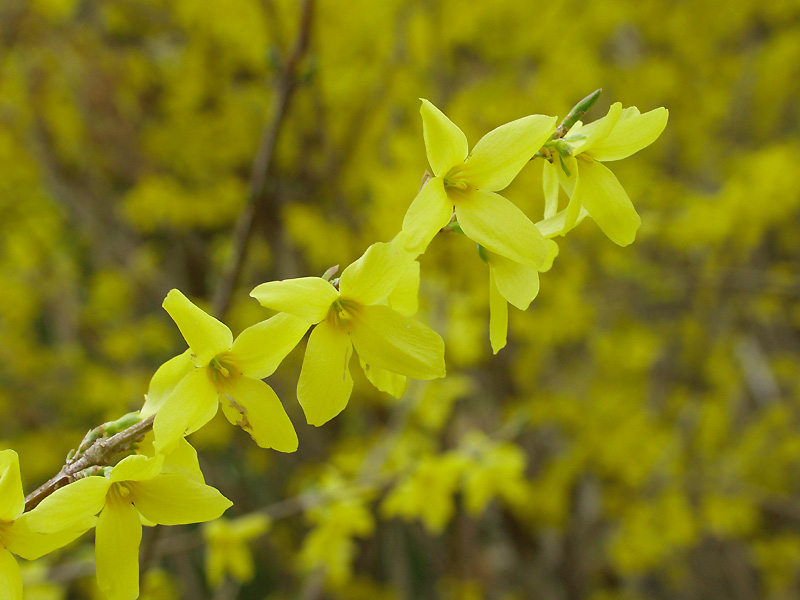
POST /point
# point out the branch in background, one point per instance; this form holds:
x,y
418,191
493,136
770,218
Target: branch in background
x,y
263,163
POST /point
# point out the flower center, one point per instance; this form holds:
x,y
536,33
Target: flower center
x,y
455,179
119,491
221,369
342,312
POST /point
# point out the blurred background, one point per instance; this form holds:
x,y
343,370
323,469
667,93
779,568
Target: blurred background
x,y
639,438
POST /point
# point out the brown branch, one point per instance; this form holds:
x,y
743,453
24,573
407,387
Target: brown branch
x,y
99,454
263,162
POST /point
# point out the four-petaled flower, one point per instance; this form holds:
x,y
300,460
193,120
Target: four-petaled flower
x,y
592,186
187,390
138,488
16,535
351,316
469,183
227,550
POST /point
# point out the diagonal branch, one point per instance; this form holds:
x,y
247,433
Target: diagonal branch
x,y
98,454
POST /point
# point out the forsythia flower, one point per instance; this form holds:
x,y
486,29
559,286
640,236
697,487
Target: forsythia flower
x,y
354,316
187,390
589,184
137,488
15,533
226,547
496,469
331,543
511,282
469,183
427,493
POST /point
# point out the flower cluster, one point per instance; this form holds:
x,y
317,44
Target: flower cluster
x,y
368,309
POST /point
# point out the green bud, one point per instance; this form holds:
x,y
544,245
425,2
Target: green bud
x,y
125,421
330,272
580,109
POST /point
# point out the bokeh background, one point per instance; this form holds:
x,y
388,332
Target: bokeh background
x,y
639,438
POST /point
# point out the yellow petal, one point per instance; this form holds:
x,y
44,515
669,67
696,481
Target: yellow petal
x,y
28,544
372,277
12,498
429,212
253,405
600,192
215,561
170,499
116,552
137,467
554,226
384,380
568,176
386,339
259,349
500,155
499,226
183,461
405,296
325,384
10,577
306,297
594,132
72,506
250,526
240,561
205,335
552,252
498,316
632,133
192,404
164,381
550,184
517,283
445,143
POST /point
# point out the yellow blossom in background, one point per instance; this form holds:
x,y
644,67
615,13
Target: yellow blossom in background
x,y
330,544
226,547
589,184
136,489
186,392
497,469
16,536
427,493
355,316
469,183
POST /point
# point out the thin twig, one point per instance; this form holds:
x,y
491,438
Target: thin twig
x,y
99,454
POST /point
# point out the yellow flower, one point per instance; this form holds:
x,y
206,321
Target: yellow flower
x,y
187,390
16,535
226,547
469,183
592,186
352,316
330,545
427,492
137,489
